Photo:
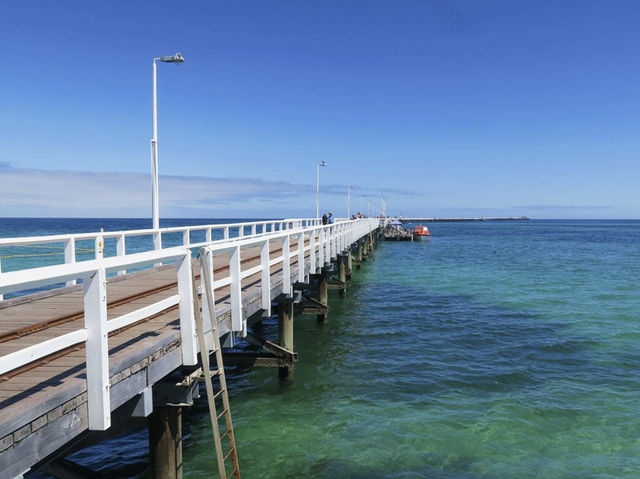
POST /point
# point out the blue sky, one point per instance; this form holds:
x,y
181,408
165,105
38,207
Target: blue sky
x,y
448,108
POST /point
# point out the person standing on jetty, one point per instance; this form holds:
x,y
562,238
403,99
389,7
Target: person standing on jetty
x,y
330,218
325,218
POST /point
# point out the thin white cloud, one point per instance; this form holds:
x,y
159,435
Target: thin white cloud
x,y
35,192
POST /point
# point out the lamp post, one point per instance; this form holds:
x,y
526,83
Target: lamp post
x,y
155,212
361,209
349,201
322,163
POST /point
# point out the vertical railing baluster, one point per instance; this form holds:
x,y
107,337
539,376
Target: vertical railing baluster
x,y
97,350
121,250
301,272
187,314
286,265
236,292
99,247
157,240
265,278
206,261
312,252
320,249
70,255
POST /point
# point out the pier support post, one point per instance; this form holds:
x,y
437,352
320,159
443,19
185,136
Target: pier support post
x,y
359,254
323,293
342,274
349,262
285,335
165,442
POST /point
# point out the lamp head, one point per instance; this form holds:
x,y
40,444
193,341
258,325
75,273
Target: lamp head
x,y
177,58
323,163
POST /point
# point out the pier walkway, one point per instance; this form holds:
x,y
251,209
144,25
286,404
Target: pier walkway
x,y
444,220
97,335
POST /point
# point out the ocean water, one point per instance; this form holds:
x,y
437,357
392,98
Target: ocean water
x,y
493,350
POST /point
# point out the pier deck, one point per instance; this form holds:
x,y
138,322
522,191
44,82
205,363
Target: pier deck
x,y
44,404
444,220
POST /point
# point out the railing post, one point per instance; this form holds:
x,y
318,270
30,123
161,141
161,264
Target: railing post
x,y
99,247
225,235
206,261
241,231
301,274
207,235
253,229
121,250
1,295
187,318
157,240
265,278
236,292
97,350
186,237
286,265
321,249
312,252
70,255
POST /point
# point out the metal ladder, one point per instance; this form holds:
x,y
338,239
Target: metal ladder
x,y
222,393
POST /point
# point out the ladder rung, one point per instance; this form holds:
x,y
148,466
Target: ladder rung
x,y
226,456
225,434
215,396
224,411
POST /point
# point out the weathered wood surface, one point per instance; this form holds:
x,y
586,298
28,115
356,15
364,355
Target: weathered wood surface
x,y
44,407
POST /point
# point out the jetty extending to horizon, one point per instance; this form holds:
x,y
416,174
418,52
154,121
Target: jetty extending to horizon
x,y
103,341
427,220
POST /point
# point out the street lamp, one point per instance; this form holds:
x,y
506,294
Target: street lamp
x,y
349,201
322,163
155,213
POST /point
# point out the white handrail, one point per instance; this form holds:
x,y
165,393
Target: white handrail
x,y
325,243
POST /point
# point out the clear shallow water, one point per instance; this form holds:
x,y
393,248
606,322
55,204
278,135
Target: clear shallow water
x,y
494,350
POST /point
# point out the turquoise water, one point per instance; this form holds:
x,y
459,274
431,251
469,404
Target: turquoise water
x,y
494,350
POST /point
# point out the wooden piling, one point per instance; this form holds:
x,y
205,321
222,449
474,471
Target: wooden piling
x,y
165,442
349,262
285,335
342,274
323,294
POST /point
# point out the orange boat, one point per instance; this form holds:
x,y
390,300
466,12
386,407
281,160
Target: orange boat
x,y
420,232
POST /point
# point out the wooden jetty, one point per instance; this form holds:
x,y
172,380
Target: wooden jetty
x,y
79,361
444,220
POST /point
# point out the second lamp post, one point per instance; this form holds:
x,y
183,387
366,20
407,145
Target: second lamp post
x,y
155,210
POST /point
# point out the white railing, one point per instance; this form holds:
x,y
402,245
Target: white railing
x,y
325,243
70,251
